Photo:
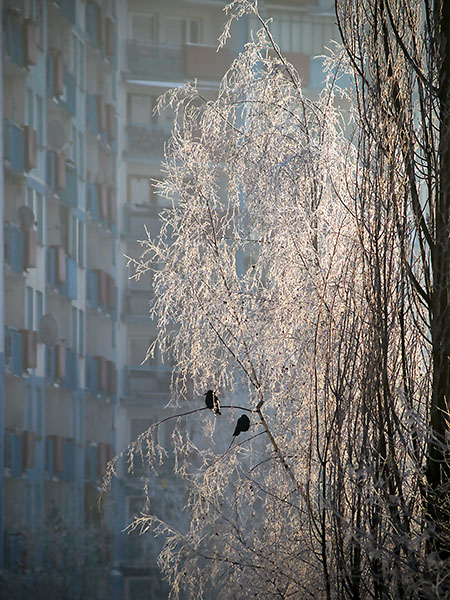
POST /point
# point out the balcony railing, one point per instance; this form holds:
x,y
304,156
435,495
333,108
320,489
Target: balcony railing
x,y
138,215
155,60
175,63
145,382
144,140
14,146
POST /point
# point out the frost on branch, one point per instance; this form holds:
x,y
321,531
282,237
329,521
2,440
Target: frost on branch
x,y
260,293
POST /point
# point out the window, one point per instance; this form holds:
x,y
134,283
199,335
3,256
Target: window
x,y
143,27
113,334
33,413
74,331
182,31
39,306
30,307
81,332
81,58
73,237
307,35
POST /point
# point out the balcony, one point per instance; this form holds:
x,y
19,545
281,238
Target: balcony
x,y
54,456
102,291
55,363
14,348
93,23
13,454
14,239
62,272
96,376
155,61
145,141
13,42
70,379
15,548
146,384
14,146
138,215
68,10
69,194
68,472
56,172
176,63
69,96
137,305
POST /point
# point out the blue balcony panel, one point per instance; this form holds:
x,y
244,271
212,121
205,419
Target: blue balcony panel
x,y
14,146
91,114
69,195
68,473
92,19
91,464
13,453
49,463
70,380
70,287
14,247
14,351
92,201
68,9
51,268
69,98
92,288
51,171
13,39
14,551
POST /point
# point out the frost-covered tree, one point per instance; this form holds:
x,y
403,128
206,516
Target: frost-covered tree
x,y
288,279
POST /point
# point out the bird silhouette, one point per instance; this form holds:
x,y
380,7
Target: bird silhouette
x,y
243,424
212,402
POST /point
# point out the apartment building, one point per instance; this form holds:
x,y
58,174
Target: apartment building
x,y
81,145
59,305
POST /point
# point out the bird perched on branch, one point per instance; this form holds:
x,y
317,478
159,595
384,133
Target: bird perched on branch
x,y
243,424
212,402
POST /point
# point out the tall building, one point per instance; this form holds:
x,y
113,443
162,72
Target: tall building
x,y
81,146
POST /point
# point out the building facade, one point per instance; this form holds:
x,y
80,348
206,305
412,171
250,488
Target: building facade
x,y
81,148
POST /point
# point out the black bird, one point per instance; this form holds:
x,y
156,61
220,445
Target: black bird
x,y
212,402
243,424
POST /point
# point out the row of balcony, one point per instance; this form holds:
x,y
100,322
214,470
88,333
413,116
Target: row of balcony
x,y
62,368
60,456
